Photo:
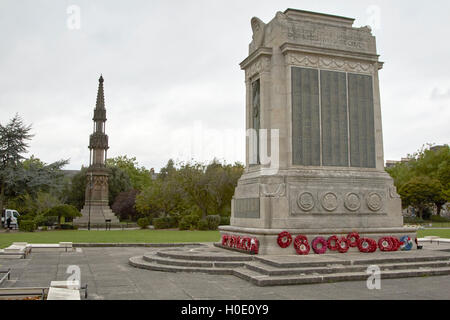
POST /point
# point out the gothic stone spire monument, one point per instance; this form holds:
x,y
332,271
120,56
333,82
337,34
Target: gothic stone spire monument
x,y
96,208
312,84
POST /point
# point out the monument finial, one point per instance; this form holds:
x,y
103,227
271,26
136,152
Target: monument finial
x,y
100,104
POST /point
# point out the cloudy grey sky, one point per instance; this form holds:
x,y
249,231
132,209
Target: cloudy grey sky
x,y
173,87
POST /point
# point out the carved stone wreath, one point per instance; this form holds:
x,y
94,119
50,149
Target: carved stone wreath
x,y
352,201
374,201
330,201
306,201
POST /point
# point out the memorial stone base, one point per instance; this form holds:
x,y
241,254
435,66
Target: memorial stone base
x,y
99,213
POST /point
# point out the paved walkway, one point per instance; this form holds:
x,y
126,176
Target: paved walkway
x,y
108,275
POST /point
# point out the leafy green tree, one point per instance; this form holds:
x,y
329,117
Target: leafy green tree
x,y
20,176
429,161
118,182
13,144
64,210
140,177
124,205
420,192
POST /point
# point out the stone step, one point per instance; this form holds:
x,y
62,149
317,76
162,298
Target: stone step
x,y
265,280
323,261
274,271
139,262
189,263
203,257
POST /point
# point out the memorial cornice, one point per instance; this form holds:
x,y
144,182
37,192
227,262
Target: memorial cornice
x,y
260,52
292,47
304,56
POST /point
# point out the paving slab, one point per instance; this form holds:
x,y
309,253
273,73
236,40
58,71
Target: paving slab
x,y
145,284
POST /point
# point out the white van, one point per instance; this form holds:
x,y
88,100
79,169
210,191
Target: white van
x,y
10,213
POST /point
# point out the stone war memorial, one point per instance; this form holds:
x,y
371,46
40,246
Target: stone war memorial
x,y
314,78
96,210
314,204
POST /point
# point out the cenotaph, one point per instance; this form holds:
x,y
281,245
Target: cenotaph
x,y
313,110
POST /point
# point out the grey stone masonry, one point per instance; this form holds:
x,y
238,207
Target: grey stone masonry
x,y
317,86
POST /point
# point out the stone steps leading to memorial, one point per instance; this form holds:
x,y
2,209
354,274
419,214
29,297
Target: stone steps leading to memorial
x,y
355,259
265,269
195,255
269,270
265,280
188,263
295,276
139,262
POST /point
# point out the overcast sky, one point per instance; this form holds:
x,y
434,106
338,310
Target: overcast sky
x,y
173,86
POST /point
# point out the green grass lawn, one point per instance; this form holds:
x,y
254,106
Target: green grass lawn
x,y
136,236
112,236
443,233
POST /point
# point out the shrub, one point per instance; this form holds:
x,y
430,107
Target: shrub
x,y
44,228
40,220
27,225
203,225
413,220
188,222
213,221
426,214
436,218
172,221
143,223
159,223
224,220
67,226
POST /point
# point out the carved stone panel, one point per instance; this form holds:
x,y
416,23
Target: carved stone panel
x,y
305,117
306,201
246,208
374,201
330,201
361,117
333,93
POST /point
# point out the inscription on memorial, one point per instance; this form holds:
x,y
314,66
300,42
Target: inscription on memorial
x,y
246,208
333,90
332,119
305,117
362,133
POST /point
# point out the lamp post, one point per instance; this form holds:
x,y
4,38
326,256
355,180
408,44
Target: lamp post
x,y
90,197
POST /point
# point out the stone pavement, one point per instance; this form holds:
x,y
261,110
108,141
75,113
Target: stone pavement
x,y
108,275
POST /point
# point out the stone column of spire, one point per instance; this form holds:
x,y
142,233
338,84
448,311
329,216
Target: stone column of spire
x,y
96,209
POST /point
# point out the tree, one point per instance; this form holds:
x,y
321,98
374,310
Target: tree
x,y
429,161
64,210
420,192
124,205
13,144
140,177
75,191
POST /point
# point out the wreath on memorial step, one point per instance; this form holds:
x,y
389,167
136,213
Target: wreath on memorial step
x,y
225,239
352,239
332,243
342,245
301,245
319,245
254,245
387,244
284,239
406,243
246,243
367,245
